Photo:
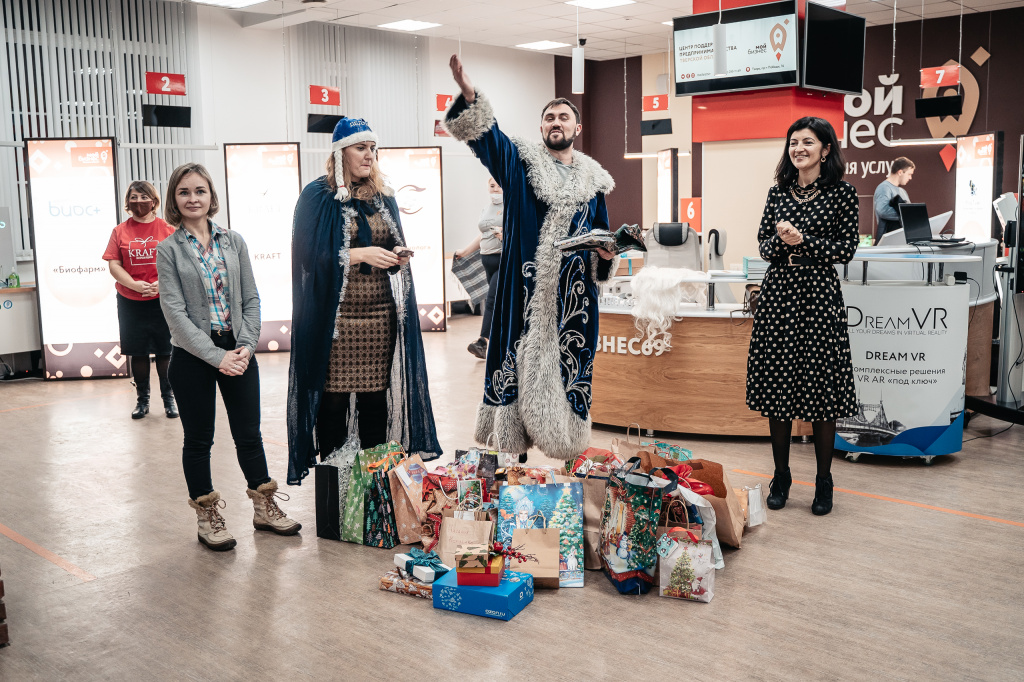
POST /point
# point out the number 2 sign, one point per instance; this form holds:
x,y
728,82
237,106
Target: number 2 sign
x,y
321,94
165,83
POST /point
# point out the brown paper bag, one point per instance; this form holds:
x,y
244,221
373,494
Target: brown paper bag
x,y
406,522
626,449
542,545
475,529
741,495
594,491
729,520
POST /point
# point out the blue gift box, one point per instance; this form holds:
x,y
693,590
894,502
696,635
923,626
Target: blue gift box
x,y
502,602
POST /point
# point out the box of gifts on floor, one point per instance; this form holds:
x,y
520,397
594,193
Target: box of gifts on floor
x,y
503,602
425,566
403,583
476,565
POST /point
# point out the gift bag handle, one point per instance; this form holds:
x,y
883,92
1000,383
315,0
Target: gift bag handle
x,y
668,513
686,531
637,432
497,441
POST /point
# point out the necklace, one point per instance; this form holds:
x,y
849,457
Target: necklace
x,y
802,195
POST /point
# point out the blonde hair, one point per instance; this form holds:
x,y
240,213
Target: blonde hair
x,y
142,187
365,189
171,213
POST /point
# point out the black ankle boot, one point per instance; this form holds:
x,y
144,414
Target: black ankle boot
x,y
822,503
778,489
169,407
142,407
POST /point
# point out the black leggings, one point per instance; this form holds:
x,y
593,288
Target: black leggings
x,y
824,443
490,261
332,420
140,372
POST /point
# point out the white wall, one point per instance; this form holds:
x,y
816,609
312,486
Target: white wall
x,y
518,83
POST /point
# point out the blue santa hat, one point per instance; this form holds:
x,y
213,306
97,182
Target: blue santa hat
x,y
348,132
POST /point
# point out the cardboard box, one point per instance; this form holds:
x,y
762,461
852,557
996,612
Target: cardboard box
x,y
502,602
424,573
489,576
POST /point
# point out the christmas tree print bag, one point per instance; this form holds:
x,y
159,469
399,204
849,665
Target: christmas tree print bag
x,y
629,526
546,505
686,566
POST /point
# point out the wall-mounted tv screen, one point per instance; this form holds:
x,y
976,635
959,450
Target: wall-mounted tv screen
x,y
761,49
833,50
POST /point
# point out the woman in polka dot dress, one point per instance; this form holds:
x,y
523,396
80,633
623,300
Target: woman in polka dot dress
x,y
799,365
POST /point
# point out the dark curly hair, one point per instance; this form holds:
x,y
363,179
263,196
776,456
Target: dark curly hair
x,y
834,167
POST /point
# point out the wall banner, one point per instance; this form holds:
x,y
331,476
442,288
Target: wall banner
x,y
909,346
263,187
74,206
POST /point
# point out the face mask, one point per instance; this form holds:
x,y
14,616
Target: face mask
x,y
140,209
496,199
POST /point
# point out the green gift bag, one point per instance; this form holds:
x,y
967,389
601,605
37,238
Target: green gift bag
x,y
355,504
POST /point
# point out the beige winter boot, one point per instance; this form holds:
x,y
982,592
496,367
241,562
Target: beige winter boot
x,y
266,514
213,530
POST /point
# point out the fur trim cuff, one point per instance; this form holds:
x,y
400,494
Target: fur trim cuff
x,y
506,422
595,264
472,123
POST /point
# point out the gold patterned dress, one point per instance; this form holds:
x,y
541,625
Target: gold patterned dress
x,y
367,325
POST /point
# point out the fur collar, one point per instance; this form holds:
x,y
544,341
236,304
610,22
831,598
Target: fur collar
x,y
586,176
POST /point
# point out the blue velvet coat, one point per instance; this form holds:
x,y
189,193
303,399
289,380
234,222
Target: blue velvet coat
x,y
320,253
544,333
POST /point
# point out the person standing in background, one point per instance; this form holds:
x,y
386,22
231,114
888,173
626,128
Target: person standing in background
x,y
131,257
489,243
890,193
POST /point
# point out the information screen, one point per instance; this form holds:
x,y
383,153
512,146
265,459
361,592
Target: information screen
x,y
415,175
975,186
74,205
761,49
263,186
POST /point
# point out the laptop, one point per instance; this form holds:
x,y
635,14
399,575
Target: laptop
x,y
917,228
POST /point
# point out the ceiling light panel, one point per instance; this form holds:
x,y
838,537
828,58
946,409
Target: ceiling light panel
x,y
230,4
543,45
409,25
599,4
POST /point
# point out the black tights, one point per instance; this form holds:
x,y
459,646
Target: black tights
x,y
332,420
824,442
140,371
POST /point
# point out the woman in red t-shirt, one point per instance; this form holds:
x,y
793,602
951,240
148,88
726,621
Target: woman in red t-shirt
x,y
131,254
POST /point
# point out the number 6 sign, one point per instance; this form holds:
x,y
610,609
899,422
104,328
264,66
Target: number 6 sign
x,y
689,212
165,83
321,94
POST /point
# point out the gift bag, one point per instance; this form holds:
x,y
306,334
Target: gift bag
x,y
669,451
558,506
462,528
332,479
470,271
538,547
595,488
756,511
685,565
380,526
625,449
407,523
729,519
410,472
366,462
629,526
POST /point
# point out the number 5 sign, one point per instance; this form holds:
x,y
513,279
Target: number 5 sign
x,y
165,83
656,103
689,212
321,94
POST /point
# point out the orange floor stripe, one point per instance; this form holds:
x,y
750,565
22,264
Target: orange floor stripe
x,y
84,576
898,501
69,400
274,442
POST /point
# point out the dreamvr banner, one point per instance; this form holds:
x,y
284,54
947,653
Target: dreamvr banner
x,y
262,189
909,346
74,208
415,175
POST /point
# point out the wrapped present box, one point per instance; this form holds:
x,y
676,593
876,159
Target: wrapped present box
x,y
394,581
472,556
490,576
427,574
502,602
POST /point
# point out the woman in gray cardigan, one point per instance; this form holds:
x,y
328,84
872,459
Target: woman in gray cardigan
x,y
212,307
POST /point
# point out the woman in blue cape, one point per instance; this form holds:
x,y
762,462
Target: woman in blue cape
x,y
355,330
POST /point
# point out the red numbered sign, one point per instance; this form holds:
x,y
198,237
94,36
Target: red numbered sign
x,y
689,212
443,101
165,83
940,76
321,94
656,103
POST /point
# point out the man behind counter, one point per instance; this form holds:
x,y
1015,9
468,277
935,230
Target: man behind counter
x,y
890,193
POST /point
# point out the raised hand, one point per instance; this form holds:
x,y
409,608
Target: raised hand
x,y
459,74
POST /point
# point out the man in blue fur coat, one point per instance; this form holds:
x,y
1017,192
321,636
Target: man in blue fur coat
x,y
540,358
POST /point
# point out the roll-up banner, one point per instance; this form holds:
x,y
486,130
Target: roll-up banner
x,y
415,175
72,185
909,346
263,186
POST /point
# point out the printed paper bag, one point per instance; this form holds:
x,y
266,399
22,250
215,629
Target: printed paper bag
x,y
540,548
626,449
463,528
410,472
407,524
594,492
729,519
355,501
688,571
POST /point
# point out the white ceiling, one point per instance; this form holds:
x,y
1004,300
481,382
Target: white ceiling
x,y
617,32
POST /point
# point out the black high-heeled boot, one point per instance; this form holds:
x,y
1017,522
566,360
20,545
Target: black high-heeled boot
x,y
778,489
142,406
170,409
822,503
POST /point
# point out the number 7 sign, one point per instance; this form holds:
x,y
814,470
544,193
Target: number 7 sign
x,y
940,76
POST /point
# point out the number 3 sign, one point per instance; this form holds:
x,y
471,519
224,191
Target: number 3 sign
x,y
165,83
321,94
